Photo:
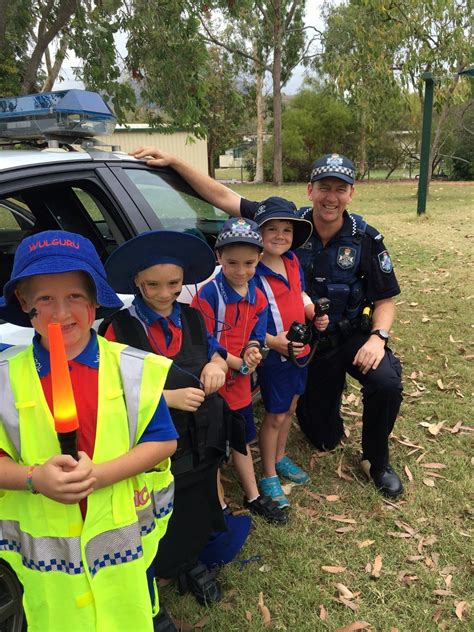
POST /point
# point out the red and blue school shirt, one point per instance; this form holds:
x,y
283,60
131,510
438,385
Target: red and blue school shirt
x,y
285,303
234,320
164,333
84,371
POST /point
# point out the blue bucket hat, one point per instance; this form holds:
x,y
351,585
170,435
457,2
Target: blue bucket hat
x,y
223,547
333,165
239,230
159,246
56,252
279,208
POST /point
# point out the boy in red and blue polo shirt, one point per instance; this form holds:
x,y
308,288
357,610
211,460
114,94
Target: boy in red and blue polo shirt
x,y
280,277
235,311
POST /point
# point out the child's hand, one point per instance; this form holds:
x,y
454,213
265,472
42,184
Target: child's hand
x,y
188,399
279,343
321,322
252,358
213,377
62,479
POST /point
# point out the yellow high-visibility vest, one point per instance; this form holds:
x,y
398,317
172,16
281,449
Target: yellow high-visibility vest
x,y
85,576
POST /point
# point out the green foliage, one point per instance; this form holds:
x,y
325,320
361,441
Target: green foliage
x,y
314,122
18,21
462,161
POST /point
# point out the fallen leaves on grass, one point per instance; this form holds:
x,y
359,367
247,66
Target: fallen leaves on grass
x,y
248,616
264,611
406,578
365,543
352,627
344,529
344,591
377,567
202,622
408,473
342,474
434,466
460,607
323,613
333,569
429,482
342,518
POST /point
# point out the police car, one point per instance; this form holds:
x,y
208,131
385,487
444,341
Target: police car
x,y
65,180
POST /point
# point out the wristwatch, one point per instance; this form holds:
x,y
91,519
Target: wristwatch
x,y
381,333
244,369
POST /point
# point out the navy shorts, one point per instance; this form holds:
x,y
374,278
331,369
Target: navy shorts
x,y
250,430
279,383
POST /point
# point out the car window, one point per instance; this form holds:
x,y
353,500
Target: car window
x,y
79,206
176,209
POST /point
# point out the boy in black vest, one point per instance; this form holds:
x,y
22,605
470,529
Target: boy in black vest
x,y
154,267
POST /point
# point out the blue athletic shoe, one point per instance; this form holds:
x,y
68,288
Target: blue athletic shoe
x,y
271,487
291,471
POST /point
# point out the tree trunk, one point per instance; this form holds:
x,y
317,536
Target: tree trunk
x,y
362,165
53,72
46,34
259,107
210,160
276,76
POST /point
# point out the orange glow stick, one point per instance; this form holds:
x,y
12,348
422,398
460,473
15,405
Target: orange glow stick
x,y
64,406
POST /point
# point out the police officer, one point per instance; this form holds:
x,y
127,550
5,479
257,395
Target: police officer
x,y
346,261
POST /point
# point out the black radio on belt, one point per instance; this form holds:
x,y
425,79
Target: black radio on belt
x,y
299,332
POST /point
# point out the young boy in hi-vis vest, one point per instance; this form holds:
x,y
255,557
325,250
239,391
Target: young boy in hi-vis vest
x,y
80,534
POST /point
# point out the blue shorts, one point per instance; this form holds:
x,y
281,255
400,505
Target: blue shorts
x,y
250,430
279,383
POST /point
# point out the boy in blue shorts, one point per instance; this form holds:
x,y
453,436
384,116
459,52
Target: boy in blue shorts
x,y
280,277
80,534
235,311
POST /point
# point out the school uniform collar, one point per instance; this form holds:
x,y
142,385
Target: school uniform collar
x,y
230,295
264,270
88,356
148,315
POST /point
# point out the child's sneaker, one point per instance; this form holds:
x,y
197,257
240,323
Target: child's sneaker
x,y
271,486
267,508
291,471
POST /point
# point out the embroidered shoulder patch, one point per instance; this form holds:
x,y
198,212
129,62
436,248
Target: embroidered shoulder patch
x,y
385,262
346,257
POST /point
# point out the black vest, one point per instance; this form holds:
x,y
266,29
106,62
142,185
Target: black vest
x,y
207,434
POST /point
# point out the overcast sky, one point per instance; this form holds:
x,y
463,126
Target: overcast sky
x,y
313,18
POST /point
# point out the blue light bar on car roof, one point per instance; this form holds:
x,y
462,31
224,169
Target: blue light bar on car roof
x,y
69,114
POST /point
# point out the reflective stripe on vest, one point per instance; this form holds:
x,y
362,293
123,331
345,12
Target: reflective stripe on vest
x,y
131,370
161,506
10,415
42,553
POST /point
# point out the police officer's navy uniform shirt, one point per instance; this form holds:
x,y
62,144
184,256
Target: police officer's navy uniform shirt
x,y
379,283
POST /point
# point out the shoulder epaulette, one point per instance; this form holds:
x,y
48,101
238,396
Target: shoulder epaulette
x,y
374,233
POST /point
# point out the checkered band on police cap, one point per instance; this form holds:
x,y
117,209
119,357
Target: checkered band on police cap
x,y
333,165
239,230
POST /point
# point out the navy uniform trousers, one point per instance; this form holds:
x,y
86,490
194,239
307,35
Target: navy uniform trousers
x,y
318,408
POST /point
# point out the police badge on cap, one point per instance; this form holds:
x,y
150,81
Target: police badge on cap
x,y
333,165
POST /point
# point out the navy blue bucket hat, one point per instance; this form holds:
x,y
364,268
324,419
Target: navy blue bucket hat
x,y
279,208
333,165
159,246
239,230
56,252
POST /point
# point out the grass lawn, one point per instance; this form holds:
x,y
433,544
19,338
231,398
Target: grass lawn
x,y
423,541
